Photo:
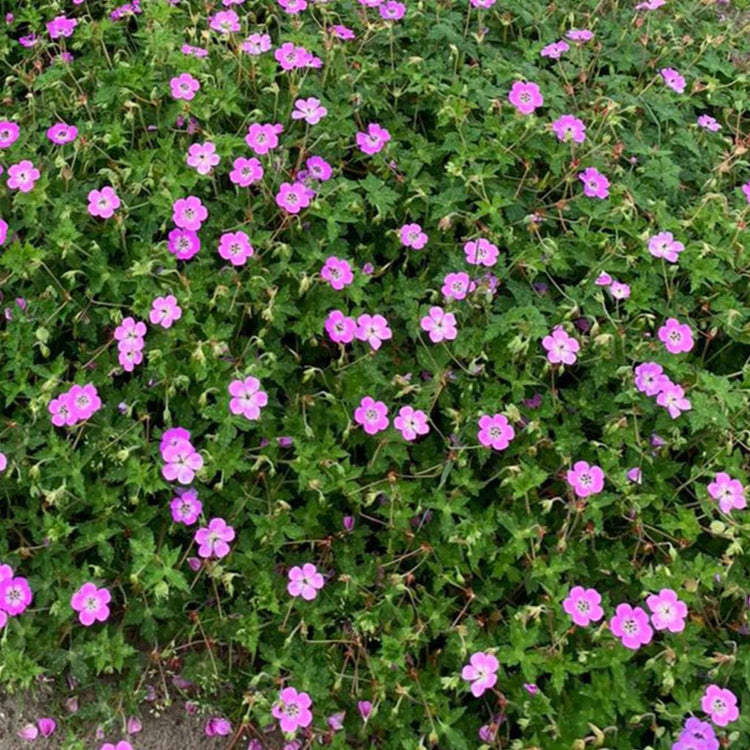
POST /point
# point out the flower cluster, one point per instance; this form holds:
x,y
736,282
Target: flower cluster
x,y
77,404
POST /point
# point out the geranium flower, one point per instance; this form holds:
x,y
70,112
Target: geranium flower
x,y
672,398
340,328
184,86
292,197
667,611
3,462
318,168
129,334
224,21
310,110
561,347
189,213
630,625
728,492
440,325
411,423
293,6
650,378
61,133
164,311
181,462
481,252
236,248
203,157
62,410
709,123
603,279
720,704
15,594
673,79
247,398
121,745
256,44
91,604
262,138
246,171
481,672
61,26
305,581
392,10
595,184
697,735
186,507
373,329
569,127
9,132
342,32
677,337
412,236
664,245
746,191
183,243
373,140
372,415
218,726
292,710
337,272
289,56
555,50
585,480
483,3
457,286
619,290
580,35
84,401
583,606
525,97
495,431
103,203
213,540
22,176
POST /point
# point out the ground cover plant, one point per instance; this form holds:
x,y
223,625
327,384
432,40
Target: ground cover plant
x,y
376,374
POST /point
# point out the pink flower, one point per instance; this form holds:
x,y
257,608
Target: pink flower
x,y
103,203
392,10
595,184
172,437
585,480
583,606
411,423
47,726
9,132
335,722
305,582
580,35
569,127
129,335
292,710
60,133
85,401
672,398
673,79
293,6
667,611
630,625
246,171
495,431
457,286
128,359
183,243
373,140
560,347
247,398
225,22
91,604
650,378
181,462
3,231
184,86
310,110
677,337
746,191
15,594
342,32
373,329
709,123
652,5
483,3
318,168
525,97
186,507
440,325
164,311
720,704
3,462
728,492
189,213
481,252
61,26
481,672
236,248
635,475
337,272
340,328
292,197
203,157
603,279
121,745
218,726
263,138
62,411
22,176
256,44
555,50
213,540
290,56
365,709
412,236
372,415
664,245
28,732
619,290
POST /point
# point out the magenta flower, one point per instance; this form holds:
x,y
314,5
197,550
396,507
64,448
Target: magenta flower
x,y
746,191
585,480
256,44
570,128
650,378
337,272
263,138
318,168
373,329
62,411
595,184
189,213
293,6
709,123
164,311
392,10
412,236
181,462
664,245
186,507
183,243
292,710
483,3
47,726
342,32
84,401
91,604
525,97
305,581
184,86
440,325
121,745
411,423
290,56
667,611
22,176
203,157
561,348
630,625
603,279
697,735
635,475
340,328
728,492
310,110
580,35
103,203
3,231
15,593
673,79
292,197
3,462
720,704
247,398
677,337
672,398
481,252
236,248
481,672
9,132
246,171
172,437
365,709
372,415
373,140
225,22
457,286
61,133
555,50
583,606
61,26
129,335
213,540
218,726
495,431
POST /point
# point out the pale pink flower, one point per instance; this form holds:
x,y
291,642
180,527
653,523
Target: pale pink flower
x,y
373,329
189,213
555,50
225,22
246,171
318,168
721,705
580,35
664,245
247,398
236,248
373,140
569,127
673,79
728,492
677,337
121,745
61,26
561,347
213,540
595,184
186,507
585,479
203,157
481,672
340,328
603,279
22,176
337,272
619,290
183,243
440,325
630,625
672,398
181,462
164,311
481,252
263,138
310,110
495,431
184,86
103,203
411,423
293,197
372,415
709,123
667,611
305,581
525,97
650,378
293,6
457,286
392,10
91,604
129,335
583,606
9,132
256,44
412,236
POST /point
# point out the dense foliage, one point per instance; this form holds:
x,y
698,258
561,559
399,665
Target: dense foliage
x,y
462,532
